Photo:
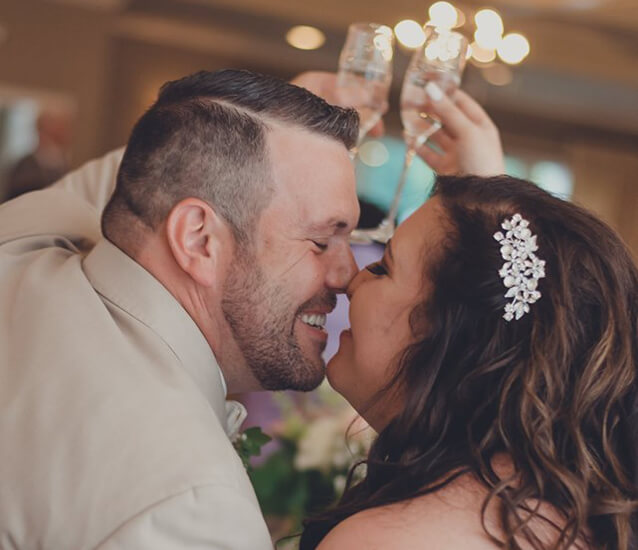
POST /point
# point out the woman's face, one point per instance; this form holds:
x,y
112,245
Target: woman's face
x,y
382,296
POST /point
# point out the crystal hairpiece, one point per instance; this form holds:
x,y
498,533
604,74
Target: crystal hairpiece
x,y
522,268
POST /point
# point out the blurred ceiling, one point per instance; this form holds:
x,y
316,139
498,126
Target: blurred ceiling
x,y
580,75
619,13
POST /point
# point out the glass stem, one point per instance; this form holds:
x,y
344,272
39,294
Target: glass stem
x,y
394,208
362,134
354,152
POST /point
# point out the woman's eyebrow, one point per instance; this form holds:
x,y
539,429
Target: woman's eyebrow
x,y
388,247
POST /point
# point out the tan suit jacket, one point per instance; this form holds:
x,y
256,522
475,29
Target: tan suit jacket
x,y
112,406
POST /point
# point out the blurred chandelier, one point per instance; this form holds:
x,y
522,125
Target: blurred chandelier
x,y
490,43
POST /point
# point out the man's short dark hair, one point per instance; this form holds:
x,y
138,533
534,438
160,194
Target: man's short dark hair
x,y
205,137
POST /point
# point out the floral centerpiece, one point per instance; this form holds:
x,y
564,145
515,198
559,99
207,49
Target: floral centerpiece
x,y
319,437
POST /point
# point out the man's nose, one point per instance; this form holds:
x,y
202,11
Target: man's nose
x,y
342,270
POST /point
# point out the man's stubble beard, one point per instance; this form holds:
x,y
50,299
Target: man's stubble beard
x,y
262,321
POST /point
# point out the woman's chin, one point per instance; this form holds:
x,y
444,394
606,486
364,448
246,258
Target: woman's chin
x,y
331,366
335,369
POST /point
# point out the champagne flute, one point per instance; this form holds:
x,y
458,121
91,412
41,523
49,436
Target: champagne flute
x,y
440,59
365,73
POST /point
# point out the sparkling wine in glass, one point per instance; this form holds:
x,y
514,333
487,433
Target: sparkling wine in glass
x,y
441,60
365,72
418,125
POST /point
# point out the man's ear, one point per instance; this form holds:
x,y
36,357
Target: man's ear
x,y
200,240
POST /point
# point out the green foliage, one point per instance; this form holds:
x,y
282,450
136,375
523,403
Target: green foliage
x,y
285,491
249,444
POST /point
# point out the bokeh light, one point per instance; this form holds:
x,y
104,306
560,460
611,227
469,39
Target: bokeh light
x,y
374,153
383,41
498,74
487,39
303,37
513,48
482,55
409,33
443,14
489,21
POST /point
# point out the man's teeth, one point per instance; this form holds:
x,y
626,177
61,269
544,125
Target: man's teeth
x,y
317,320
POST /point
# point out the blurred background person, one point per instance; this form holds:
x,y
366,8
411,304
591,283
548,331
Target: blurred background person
x,y
50,159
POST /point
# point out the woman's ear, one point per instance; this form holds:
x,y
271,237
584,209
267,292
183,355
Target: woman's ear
x,y
200,240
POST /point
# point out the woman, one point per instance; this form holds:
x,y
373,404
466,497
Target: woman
x,y
494,349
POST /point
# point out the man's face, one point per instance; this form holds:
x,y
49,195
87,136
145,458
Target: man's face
x,y
276,296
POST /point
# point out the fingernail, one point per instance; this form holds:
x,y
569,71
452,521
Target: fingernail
x,y
433,90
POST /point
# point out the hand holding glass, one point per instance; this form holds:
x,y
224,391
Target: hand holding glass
x,y
365,73
441,60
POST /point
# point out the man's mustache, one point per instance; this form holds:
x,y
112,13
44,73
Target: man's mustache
x,y
324,301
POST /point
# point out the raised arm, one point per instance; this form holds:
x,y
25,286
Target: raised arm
x,y
468,143
94,182
70,208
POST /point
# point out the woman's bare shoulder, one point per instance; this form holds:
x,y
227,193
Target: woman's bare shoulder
x,y
449,518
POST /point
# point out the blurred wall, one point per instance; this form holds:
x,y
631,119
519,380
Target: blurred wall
x,y
140,70
606,180
60,48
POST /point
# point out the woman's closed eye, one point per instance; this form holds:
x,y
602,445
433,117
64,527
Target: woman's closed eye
x,y
377,268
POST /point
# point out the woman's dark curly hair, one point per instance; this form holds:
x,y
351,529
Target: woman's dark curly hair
x,y
555,391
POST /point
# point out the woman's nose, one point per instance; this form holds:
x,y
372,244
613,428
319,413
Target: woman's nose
x,y
355,282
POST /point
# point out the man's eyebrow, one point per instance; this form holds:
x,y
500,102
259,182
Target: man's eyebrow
x,y
333,223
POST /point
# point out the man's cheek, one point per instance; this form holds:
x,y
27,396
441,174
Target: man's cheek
x,y
294,264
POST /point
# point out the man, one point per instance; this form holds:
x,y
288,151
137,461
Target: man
x,y
224,243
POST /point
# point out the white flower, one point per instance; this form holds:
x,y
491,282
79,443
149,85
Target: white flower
x,y
522,268
339,484
324,446
316,447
